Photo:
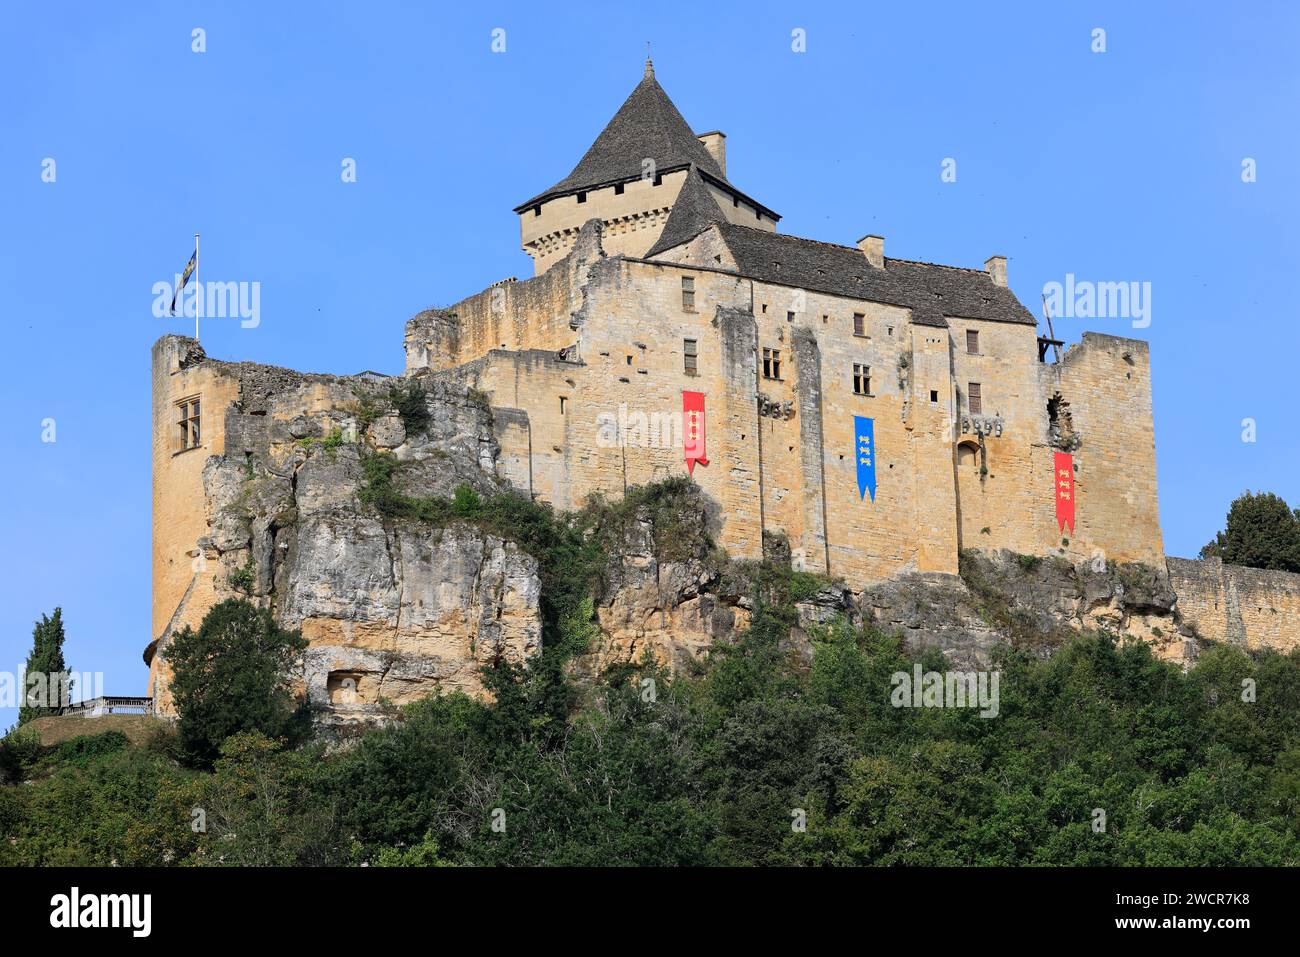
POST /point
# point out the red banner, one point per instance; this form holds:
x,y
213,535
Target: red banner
x,y
693,429
1063,479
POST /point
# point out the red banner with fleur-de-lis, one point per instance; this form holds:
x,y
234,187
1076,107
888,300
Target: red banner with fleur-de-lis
x,y
1063,479
693,429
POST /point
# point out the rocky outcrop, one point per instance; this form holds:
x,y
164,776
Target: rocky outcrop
x,y
1030,601
392,608
665,592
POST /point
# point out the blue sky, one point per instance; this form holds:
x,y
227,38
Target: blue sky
x,y
1116,166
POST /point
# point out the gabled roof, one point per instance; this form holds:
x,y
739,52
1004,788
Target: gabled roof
x,y
930,291
646,126
694,211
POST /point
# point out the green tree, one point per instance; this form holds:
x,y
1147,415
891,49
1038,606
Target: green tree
x,y
48,683
231,676
1262,532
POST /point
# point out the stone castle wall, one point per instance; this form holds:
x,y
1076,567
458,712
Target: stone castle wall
x,y
785,463
1245,606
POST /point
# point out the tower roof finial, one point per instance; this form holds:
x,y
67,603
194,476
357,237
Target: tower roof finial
x,y
649,64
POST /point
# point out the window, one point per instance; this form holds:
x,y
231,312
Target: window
x,y
972,342
563,403
859,324
688,293
618,189
789,316
659,180
537,210
690,356
771,363
861,379
629,359
974,400
934,395
187,422
582,197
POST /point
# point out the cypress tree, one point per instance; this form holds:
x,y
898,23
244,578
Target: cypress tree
x,y
48,683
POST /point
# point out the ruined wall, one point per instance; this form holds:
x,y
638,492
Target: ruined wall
x,y
1107,381
1231,603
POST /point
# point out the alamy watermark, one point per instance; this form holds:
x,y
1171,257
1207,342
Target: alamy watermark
x,y
216,300
639,429
946,689
1085,299
38,689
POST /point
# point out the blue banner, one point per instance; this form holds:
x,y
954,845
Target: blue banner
x,y
864,431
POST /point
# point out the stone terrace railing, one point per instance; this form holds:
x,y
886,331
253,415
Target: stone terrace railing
x,y
94,707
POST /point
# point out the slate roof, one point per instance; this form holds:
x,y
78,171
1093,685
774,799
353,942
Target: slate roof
x,y
694,211
930,291
646,126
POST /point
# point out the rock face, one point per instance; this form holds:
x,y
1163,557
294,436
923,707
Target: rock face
x,y
665,594
1030,601
392,608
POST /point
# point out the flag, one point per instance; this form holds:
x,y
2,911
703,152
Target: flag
x,y
1063,480
185,278
693,429
864,431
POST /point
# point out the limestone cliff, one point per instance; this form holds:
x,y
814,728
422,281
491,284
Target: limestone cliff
x,y
391,608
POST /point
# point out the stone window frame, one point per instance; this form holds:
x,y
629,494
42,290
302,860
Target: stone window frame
x,y
188,420
688,294
772,364
691,356
975,398
860,325
973,342
862,379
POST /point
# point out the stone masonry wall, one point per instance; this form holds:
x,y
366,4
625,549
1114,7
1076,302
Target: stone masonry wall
x,y
1244,606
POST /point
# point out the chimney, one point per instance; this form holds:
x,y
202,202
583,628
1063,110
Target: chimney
x,y
996,267
716,143
873,247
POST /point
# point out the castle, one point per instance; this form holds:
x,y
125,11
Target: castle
x,y
881,415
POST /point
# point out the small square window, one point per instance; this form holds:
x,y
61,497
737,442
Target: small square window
x,y
537,210
582,197
618,189
934,395
789,316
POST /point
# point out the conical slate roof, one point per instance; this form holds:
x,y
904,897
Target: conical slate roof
x,y
694,211
646,126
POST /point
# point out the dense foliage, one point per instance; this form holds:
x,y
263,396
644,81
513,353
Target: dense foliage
x,y
229,676
1262,531
714,769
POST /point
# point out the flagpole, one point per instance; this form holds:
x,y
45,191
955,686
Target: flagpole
x,y
198,288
